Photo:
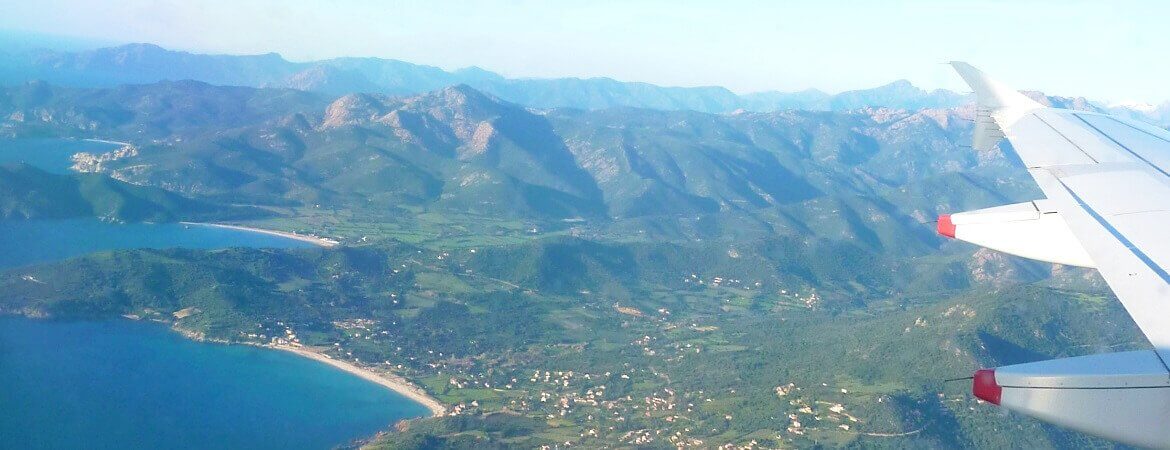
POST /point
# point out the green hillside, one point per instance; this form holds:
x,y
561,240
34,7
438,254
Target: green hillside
x,y
30,193
459,151
690,343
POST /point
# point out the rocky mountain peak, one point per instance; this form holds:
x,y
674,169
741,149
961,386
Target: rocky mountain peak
x,y
353,109
899,84
462,96
136,49
462,107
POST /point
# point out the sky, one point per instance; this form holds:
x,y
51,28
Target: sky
x,y
1111,51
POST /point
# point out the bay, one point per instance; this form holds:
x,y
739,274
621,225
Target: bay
x,y
24,242
124,384
49,154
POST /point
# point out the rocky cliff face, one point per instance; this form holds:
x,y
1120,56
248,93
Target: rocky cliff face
x,y
90,163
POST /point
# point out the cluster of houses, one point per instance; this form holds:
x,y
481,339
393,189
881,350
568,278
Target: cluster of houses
x,y
836,411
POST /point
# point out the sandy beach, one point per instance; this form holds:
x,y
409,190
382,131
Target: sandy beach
x,y
389,381
107,142
320,241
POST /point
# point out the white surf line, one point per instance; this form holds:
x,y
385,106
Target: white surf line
x,y
108,142
315,240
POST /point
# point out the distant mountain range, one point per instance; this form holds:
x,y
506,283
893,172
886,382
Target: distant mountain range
x,y
146,63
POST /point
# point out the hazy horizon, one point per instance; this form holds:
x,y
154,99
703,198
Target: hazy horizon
x,y
746,47
74,44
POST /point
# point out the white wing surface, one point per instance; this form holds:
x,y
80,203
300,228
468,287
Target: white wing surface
x,y
1107,182
1109,178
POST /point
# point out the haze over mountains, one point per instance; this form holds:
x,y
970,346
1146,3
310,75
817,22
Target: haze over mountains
x,y
146,63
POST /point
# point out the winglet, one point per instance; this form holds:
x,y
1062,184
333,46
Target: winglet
x,y
999,105
991,93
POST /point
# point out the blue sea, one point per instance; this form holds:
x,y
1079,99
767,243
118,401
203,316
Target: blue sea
x,y
24,242
50,155
124,384
121,384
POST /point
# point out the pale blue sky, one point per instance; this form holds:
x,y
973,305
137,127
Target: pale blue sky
x,y
1101,50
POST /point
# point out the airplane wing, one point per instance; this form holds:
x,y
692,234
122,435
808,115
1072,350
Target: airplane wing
x,y
1107,183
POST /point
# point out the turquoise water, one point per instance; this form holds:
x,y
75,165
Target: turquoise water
x,y
123,384
24,242
51,155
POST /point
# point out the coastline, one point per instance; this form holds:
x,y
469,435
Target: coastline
x,y
392,382
386,380
107,142
318,241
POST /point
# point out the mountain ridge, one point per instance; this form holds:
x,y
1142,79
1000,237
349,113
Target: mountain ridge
x,y
144,63
147,63
30,193
459,150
